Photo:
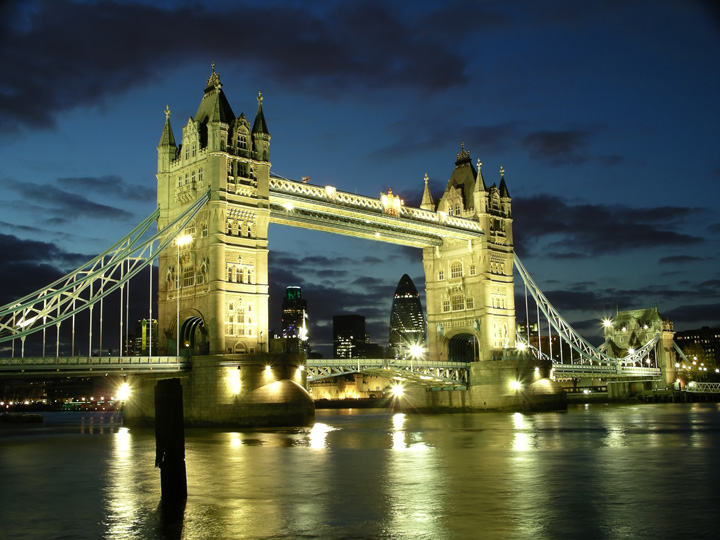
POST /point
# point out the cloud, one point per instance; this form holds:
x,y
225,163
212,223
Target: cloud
x,y
578,230
109,185
64,206
33,265
680,259
565,147
61,54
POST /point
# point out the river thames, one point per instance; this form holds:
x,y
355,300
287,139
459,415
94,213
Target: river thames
x,y
595,471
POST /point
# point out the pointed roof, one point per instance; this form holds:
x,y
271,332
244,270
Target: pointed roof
x,y
503,186
214,106
167,139
406,287
427,199
260,126
463,177
479,181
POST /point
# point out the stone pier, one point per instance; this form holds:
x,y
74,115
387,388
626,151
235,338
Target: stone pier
x,y
260,390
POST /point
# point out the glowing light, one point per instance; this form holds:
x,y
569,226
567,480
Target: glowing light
x,y
607,323
515,385
183,240
288,206
235,382
631,351
397,390
267,368
677,365
416,351
123,392
330,191
521,346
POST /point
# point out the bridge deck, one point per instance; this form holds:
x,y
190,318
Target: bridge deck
x,y
93,365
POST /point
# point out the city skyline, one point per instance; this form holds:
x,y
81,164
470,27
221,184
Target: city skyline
x,y
604,119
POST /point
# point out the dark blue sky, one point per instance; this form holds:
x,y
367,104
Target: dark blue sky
x,y
605,116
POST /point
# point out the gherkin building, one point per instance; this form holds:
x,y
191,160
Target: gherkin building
x,y
407,321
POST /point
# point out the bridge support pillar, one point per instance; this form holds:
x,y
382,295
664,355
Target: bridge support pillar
x,y
170,439
260,390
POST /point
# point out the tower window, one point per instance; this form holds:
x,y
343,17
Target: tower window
x,y
456,269
200,174
458,303
473,270
441,275
446,305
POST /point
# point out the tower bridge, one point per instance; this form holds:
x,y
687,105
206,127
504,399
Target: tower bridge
x,y
216,198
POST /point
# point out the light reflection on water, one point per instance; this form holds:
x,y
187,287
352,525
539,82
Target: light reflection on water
x,y
594,472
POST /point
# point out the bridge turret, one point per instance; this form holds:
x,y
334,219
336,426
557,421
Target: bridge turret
x,y
167,152
427,199
260,134
479,194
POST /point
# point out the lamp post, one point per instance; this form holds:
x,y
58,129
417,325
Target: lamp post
x,y
180,241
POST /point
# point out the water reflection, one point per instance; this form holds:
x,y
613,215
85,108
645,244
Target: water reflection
x,y
591,473
318,435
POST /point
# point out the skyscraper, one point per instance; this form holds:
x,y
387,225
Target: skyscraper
x,y
407,322
349,336
294,314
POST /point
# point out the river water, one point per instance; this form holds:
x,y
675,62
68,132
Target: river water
x,y
596,471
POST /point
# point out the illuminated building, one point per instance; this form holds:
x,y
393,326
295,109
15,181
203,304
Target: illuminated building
x,y
294,314
348,336
704,339
407,321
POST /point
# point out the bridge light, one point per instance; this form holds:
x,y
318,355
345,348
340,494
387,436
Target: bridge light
x,y
288,206
631,351
397,390
123,392
521,346
607,323
183,240
515,385
416,351
235,382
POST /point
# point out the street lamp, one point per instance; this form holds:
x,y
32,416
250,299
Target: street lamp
x,y
180,241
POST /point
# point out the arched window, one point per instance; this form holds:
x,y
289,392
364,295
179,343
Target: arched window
x,y
458,211
188,274
456,269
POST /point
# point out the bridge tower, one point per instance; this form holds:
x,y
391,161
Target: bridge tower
x,y
222,276
469,284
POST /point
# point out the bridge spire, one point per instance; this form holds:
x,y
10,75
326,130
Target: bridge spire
x,y
504,193
427,199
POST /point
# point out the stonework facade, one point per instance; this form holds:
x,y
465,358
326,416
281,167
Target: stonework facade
x,y
469,285
222,277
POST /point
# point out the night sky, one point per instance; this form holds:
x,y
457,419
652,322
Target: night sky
x,y
605,116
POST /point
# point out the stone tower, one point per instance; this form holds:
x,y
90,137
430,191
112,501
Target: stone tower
x,y
469,285
222,276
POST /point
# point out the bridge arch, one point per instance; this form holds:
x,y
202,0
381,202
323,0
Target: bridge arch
x,y
193,333
462,347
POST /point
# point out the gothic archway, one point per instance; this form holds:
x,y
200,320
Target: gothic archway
x,y
462,348
193,335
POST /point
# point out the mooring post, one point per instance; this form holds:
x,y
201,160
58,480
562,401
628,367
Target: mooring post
x,y
170,439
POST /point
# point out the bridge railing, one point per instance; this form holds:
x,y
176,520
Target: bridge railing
x,y
703,387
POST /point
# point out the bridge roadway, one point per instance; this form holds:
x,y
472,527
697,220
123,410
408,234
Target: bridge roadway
x,y
91,366
454,374
427,373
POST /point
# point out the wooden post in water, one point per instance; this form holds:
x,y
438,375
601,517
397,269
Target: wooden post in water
x,y
170,439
